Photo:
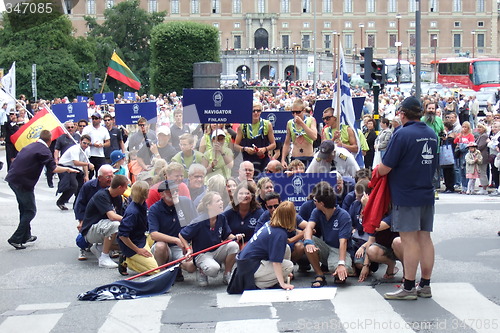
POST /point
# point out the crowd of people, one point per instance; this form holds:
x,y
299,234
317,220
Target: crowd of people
x,y
162,190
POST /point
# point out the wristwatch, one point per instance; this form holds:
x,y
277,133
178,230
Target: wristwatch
x,y
341,262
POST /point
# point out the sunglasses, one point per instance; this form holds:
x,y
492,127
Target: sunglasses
x,y
257,110
85,143
107,119
70,127
272,206
266,170
326,118
95,118
142,125
296,112
81,125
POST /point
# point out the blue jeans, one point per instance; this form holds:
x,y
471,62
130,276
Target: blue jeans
x,y
27,212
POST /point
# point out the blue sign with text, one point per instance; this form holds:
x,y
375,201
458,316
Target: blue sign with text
x,y
278,120
322,104
82,99
71,111
129,95
297,187
129,113
104,98
220,106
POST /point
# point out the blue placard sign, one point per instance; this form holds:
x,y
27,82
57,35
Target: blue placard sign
x,y
82,99
297,187
129,95
71,111
104,98
217,106
322,104
129,113
278,120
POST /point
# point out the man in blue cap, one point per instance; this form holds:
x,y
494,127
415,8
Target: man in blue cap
x,y
410,163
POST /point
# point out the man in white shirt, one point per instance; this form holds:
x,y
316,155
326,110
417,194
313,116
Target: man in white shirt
x,y
100,139
344,161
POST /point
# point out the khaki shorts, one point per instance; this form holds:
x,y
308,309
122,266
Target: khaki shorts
x,y
330,256
101,230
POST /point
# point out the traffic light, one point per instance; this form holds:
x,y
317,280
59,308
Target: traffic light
x,y
367,54
378,71
97,83
84,86
90,81
289,76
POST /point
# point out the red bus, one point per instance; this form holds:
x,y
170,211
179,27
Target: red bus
x,y
469,73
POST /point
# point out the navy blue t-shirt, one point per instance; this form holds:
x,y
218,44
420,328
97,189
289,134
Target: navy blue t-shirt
x,y
202,236
241,225
267,217
268,243
169,219
101,203
412,155
337,227
133,225
306,209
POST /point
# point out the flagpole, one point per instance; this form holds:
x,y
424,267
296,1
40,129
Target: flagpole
x,y
17,102
104,82
338,83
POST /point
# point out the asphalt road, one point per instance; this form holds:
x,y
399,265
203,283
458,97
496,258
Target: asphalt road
x,y
40,284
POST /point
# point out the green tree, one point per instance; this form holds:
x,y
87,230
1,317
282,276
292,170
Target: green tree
x,y
175,47
126,29
59,56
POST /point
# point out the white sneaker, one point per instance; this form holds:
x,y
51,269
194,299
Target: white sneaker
x,y
83,255
107,262
482,192
201,278
226,278
96,249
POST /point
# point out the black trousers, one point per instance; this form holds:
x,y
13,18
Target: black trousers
x,y
97,162
27,211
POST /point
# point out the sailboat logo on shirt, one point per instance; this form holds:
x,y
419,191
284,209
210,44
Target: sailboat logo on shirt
x,y
427,152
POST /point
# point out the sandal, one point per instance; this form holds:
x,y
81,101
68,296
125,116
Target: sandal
x,y
122,265
391,276
319,283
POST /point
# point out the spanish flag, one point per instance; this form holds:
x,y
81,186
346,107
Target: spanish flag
x,y
118,70
30,132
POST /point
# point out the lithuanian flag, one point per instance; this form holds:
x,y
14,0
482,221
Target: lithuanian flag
x,y
30,132
118,70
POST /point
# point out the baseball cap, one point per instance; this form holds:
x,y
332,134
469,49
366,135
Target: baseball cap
x,y
326,149
96,115
164,130
218,132
167,186
116,155
411,103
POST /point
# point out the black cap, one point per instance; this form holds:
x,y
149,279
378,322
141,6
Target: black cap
x,y
411,103
167,186
326,149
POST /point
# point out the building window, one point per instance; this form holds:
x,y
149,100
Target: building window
x,y
153,6
328,41
392,24
392,40
306,24
433,40
480,40
371,24
284,25
412,24
370,6
480,6
433,6
457,6
110,3
392,6
434,24
306,41
306,6
261,6
285,41
285,6
327,25
69,6
327,6
457,40
347,6
236,6
348,24
215,6
413,40
174,7
456,24
216,25
237,42
195,6
348,41
371,40
480,24
91,7
412,6
237,25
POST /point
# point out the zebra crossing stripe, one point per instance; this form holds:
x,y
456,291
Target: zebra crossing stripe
x,y
136,315
43,323
369,313
43,306
470,307
248,326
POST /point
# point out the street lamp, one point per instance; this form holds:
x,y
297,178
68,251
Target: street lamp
x,y
334,54
398,44
435,42
295,61
361,26
473,33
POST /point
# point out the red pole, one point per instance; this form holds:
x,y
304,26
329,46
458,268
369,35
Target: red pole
x,y
179,260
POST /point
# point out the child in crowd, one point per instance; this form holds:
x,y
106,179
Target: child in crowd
x,y
472,159
118,161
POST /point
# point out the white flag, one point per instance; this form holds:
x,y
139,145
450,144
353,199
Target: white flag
x,y
347,115
9,84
